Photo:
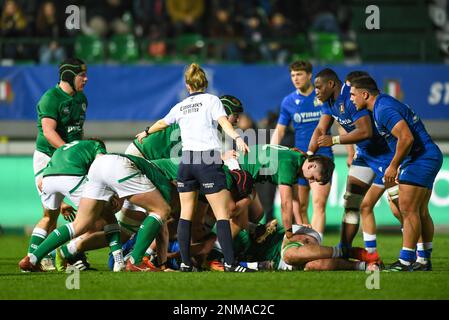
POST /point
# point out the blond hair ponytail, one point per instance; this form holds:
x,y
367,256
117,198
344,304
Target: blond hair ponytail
x,y
195,77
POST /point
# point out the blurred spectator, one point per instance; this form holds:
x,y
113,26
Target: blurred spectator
x,y
254,49
157,46
280,33
47,26
108,17
13,24
221,29
148,13
185,15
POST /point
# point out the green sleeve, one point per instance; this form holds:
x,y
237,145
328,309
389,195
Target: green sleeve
x,y
48,108
100,149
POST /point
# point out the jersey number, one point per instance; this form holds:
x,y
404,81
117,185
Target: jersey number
x,y
69,145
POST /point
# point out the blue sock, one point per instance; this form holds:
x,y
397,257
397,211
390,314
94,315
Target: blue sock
x,y
407,254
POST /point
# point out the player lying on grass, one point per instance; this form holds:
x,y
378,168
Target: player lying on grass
x,y
130,178
282,166
303,251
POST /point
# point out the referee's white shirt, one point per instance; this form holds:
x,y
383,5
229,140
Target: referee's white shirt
x,y
197,117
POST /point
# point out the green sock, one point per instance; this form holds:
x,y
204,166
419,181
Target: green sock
x,y
37,237
112,232
65,251
147,232
54,240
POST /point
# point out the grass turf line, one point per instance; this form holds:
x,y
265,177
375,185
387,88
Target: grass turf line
x,y
103,284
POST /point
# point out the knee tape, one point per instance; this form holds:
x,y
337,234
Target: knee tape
x,y
393,192
352,207
127,225
351,217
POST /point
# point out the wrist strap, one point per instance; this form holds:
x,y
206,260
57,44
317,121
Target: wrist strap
x,y
336,140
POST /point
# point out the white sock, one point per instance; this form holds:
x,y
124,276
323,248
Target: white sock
x,y
33,259
428,245
360,265
420,246
407,263
149,251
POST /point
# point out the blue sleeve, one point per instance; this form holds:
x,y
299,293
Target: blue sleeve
x,y
284,116
325,109
388,117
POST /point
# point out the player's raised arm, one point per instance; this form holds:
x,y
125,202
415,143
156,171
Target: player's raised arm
x,y
278,134
227,127
158,126
321,129
363,130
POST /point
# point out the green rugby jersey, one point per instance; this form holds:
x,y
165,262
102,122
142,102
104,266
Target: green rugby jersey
x,y
169,167
74,158
153,173
273,163
161,144
68,111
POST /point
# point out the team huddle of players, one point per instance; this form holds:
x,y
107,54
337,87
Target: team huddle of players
x,y
130,201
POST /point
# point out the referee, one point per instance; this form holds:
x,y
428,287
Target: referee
x,y
201,166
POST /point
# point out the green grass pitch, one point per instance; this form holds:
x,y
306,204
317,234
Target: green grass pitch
x,y
103,284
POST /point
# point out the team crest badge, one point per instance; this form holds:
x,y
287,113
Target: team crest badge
x,y
297,101
317,102
342,107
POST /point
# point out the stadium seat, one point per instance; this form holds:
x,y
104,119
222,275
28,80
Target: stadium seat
x,y
123,48
189,47
300,48
89,48
327,47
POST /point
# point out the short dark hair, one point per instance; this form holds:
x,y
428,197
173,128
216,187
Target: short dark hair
x,y
328,74
301,65
327,167
367,83
355,74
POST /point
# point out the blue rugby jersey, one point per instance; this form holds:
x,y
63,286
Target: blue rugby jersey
x,y
388,112
305,112
346,113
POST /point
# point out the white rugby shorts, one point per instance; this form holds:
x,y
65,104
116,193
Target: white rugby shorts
x,y
55,188
111,174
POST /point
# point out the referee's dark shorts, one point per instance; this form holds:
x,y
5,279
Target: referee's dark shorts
x,y
201,170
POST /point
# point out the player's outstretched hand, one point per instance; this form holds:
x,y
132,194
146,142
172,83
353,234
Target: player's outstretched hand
x,y
241,145
141,135
68,212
